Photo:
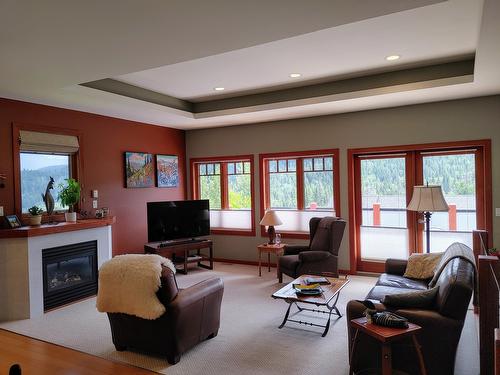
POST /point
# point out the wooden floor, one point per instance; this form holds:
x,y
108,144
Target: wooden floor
x,y
40,357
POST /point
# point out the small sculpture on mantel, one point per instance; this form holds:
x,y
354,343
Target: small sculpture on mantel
x,y
48,198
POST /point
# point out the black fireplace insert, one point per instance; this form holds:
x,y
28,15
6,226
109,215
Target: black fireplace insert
x,y
69,273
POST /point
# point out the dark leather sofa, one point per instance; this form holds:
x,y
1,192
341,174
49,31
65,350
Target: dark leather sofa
x,y
192,315
321,256
441,324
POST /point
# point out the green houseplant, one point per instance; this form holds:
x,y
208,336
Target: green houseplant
x,y
35,217
69,196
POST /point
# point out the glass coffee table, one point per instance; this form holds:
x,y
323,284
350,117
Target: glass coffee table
x,y
326,301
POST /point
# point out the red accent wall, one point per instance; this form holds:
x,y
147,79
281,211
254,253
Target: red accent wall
x,y
105,139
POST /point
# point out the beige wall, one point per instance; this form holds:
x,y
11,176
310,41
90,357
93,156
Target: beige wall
x,y
468,119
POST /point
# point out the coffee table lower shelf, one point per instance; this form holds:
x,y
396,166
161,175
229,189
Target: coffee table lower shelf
x,y
331,310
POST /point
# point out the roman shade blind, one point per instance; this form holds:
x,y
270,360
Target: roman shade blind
x,y
48,142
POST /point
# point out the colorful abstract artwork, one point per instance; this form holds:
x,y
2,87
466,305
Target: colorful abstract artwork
x,y
167,169
139,170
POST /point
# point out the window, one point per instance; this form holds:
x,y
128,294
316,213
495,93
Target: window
x,y
228,184
40,153
456,174
384,230
300,186
36,169
381,187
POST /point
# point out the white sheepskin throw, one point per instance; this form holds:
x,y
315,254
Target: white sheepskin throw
x,y
128,284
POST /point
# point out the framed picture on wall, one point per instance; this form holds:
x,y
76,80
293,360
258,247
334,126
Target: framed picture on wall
x,y
167,170
139,170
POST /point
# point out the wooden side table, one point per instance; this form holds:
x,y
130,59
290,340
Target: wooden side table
x,y
277,249
386,336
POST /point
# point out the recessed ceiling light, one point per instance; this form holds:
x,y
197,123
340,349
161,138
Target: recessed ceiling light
x,y
295,75
219,88
392,57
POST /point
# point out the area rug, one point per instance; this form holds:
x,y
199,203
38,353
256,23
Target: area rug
x,y
249,341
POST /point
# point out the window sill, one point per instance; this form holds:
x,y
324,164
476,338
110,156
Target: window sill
x,y
233,232
287,234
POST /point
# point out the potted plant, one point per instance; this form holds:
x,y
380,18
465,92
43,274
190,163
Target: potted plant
x,y
493,251
35,217
69,196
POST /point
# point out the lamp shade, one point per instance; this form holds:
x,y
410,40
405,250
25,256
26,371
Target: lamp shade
x,y
270,218
427,198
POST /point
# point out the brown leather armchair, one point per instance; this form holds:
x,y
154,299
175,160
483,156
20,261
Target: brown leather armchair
x,y
321,256
192,315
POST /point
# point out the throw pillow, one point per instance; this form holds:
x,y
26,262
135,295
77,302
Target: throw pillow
x,y
422,266
420,299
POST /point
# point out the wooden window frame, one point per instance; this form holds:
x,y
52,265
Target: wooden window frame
x,y
414,172
224,160
76,163
264,183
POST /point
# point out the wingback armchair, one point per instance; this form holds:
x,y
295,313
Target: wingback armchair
x,y
320,256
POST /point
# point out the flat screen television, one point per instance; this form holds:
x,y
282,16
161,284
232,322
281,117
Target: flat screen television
x,y
178,220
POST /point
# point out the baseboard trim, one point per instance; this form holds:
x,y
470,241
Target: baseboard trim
x,y
246,262
346,272
265,264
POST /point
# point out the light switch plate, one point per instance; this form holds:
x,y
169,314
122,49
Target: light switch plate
x,y
497,211
94,203
95,194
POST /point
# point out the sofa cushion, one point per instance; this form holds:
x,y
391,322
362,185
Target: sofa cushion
x,y
421,299
453,251
422,266
456,284
379,292
397,281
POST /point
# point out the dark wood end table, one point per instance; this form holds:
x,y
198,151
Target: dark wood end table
x,y
386,335
328,299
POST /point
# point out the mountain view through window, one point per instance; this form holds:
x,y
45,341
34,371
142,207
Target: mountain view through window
x,y
36,170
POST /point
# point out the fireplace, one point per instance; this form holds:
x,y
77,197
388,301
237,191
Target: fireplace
x,y
69,273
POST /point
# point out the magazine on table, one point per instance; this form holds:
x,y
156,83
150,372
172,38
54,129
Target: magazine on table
x,y
316,280
312,289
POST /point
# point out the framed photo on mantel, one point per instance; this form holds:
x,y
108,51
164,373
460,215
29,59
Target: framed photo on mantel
x,y
12,221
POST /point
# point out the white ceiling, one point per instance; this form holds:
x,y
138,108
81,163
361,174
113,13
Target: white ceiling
x,y
185,48
417,35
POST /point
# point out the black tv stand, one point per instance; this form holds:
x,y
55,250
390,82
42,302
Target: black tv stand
x,y
174,248
179,242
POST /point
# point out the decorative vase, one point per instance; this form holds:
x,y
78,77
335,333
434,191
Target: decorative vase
x,y
70,216
34,219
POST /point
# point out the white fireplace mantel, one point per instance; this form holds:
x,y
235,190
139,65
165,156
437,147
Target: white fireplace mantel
x,y
21,274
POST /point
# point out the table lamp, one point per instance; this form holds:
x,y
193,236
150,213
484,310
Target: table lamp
x,y
271,219
427,199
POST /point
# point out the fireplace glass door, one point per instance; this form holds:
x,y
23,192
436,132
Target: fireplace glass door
x,y
69,273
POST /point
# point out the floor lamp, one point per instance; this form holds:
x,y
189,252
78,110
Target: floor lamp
x,y
427,199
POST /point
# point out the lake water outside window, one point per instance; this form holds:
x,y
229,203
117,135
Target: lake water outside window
x,y
36,170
